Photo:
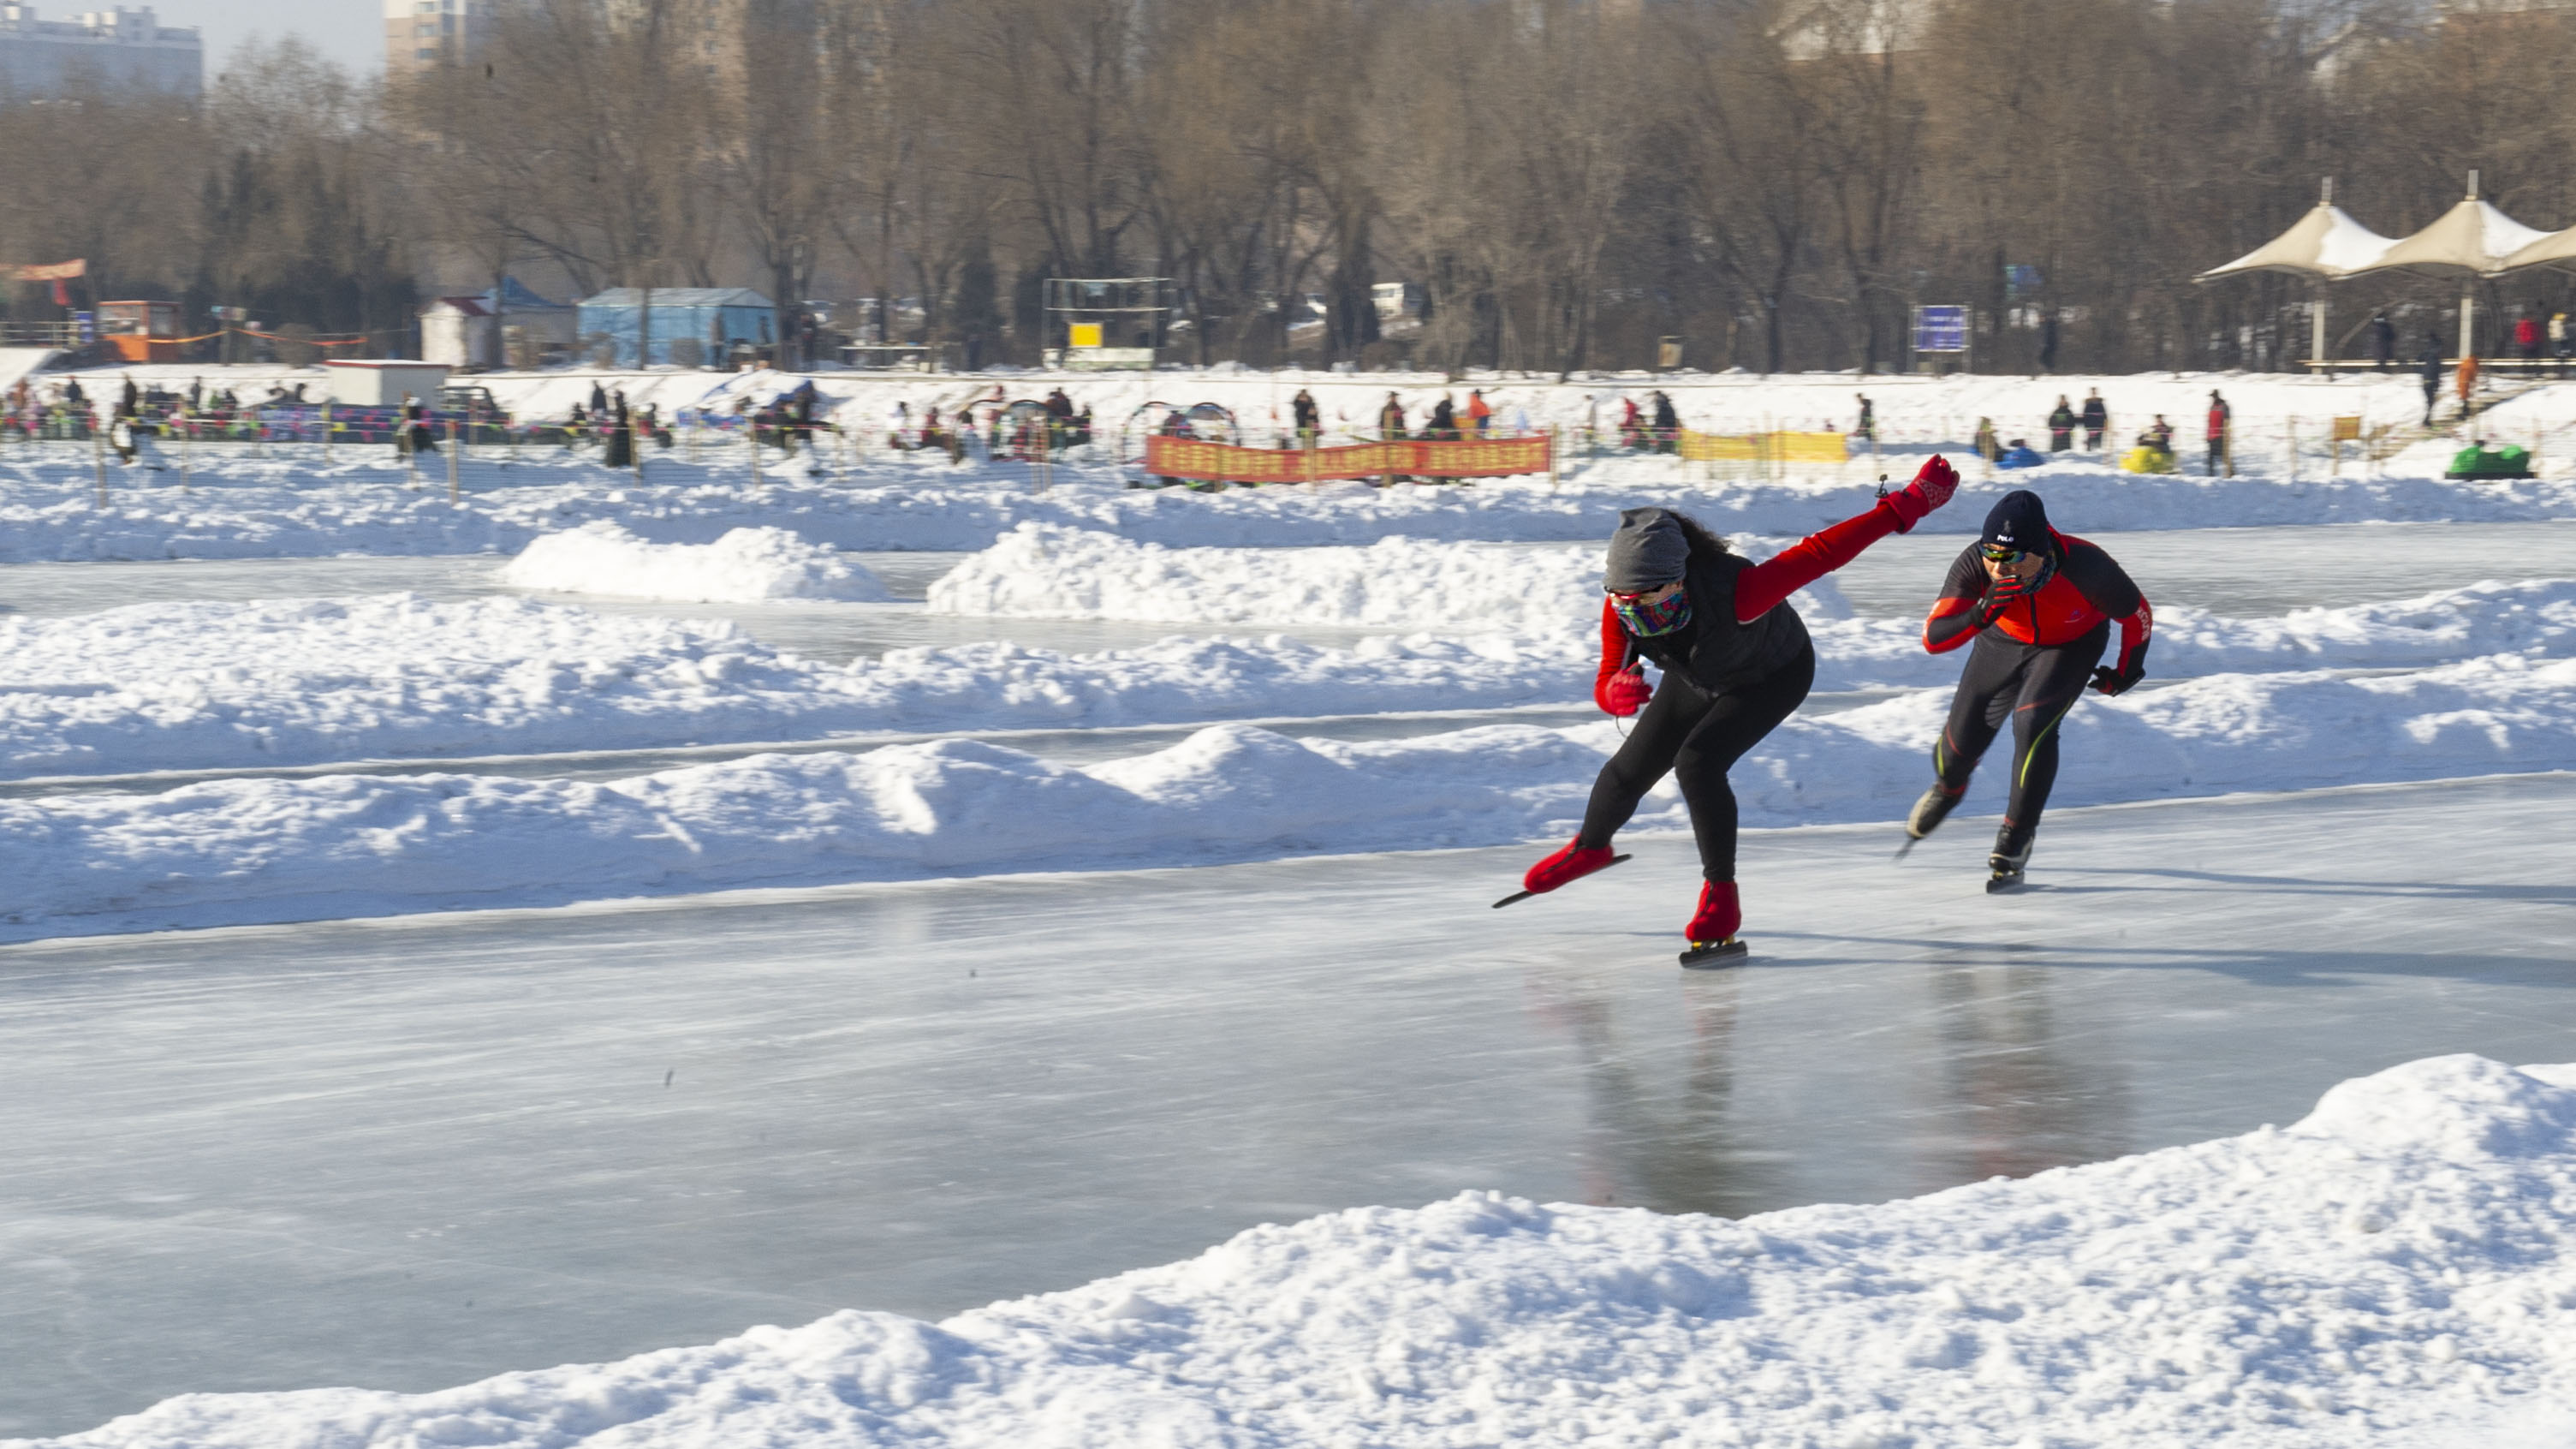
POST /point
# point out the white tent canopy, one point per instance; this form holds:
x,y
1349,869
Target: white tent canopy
x,y
2325,243
2557,249
2472,239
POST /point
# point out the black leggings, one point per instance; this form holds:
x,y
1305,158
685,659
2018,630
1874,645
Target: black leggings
x,y
1697,736
2034,686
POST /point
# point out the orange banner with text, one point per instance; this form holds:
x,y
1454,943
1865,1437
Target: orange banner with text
x,y
1188,458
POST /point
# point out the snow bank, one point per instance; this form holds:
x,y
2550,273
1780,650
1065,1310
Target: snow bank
x,y
312,681
2400,1263
1041,572
745,566
2535,617
286,506
306,682
292,849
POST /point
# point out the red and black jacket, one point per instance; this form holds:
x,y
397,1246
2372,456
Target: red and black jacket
x,y
1735,635
2083,591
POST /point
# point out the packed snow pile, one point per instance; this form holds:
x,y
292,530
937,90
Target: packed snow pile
x,y
315,681
1047,572
2535,618
745,566
318,681
2398,1265
276,849
284,505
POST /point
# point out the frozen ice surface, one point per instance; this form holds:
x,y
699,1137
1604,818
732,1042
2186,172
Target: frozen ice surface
x,y
406,1155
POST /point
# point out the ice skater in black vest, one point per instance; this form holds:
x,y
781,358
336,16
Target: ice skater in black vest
x,y
1736,660
2039,605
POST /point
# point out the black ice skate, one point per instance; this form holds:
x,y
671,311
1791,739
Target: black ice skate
x,y
1703,955
2011,854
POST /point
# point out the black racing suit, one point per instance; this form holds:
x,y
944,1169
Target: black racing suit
x,y
2030,665
1726,684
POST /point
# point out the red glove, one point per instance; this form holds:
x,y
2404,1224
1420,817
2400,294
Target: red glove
x,y
1933,484
1625,693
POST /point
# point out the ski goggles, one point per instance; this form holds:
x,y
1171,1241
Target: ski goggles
x,y
1995,553
1660,617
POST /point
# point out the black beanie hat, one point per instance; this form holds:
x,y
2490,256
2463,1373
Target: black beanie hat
x,y
1647,551
2018,520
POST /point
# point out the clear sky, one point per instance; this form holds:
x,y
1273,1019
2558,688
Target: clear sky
x,y
351,32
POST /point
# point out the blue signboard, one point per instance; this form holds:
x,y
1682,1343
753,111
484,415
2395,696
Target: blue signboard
x,y
1940,329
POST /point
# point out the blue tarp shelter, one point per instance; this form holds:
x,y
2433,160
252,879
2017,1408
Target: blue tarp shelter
x,y
689,326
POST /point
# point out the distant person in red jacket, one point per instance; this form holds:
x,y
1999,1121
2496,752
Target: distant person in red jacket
x,y
2038,605
2526,335
1736,661
2220,416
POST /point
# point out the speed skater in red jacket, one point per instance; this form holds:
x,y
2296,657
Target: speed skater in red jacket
x,y
2039,606
1736,661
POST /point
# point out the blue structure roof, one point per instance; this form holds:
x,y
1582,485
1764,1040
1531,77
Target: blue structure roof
x,y
689,325
679,297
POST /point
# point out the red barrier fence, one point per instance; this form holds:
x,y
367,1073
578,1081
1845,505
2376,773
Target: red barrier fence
x,y
1189,458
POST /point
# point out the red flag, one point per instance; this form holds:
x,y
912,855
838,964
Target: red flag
x,y
62,294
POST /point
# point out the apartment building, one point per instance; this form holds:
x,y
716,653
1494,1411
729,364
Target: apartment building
x,y
423,33
126,48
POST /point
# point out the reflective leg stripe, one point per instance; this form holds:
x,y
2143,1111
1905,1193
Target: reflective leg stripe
x,y
2022,776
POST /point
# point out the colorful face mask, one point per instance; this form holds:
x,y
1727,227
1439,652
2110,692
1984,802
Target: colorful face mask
x,y
1645,620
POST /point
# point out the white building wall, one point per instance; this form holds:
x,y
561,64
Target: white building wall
x,y
126,48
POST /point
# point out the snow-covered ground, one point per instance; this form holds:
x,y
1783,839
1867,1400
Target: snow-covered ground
x,y
682,684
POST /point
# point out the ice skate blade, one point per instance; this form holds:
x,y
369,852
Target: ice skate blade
x,y
1707,958
2002,883
1518,896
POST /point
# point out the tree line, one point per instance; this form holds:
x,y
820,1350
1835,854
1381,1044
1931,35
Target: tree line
x,y
1775,183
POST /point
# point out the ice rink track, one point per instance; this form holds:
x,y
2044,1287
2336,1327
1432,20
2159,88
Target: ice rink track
x,y
406,1154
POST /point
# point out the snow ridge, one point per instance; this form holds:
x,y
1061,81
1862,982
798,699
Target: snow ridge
x,y
1038,571
2401,1262
235,851
282,508
745,566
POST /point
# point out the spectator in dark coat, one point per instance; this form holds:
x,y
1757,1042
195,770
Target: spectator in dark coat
x,y
2431,368
2383,341
2097,420
2061,427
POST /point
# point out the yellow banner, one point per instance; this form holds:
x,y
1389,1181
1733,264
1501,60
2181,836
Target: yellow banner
x,y
1763,447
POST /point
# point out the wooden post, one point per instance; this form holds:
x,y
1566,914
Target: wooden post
x,y
98,460
453,491
1554,433
187,427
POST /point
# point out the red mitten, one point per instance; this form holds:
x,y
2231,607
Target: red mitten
x,y
1720,916
1933,484
1625,692
1572,863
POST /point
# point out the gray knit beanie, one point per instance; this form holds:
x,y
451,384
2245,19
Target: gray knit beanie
x,y
1647,551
